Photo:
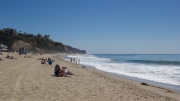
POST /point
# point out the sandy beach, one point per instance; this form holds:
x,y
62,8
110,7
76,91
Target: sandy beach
x,y
26,79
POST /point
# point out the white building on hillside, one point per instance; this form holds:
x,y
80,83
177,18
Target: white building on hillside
x,y
3,47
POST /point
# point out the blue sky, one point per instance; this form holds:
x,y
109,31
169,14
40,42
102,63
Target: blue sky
x,y
100,26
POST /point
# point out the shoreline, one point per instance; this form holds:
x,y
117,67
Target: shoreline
x,y
26,79
158,84
145,84
136,79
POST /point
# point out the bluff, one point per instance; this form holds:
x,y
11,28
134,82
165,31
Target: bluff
x,y
35,43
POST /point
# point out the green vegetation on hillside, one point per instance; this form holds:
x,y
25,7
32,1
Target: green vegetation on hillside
x,y
38,43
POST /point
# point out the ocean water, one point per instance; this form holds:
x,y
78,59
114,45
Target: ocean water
x,y
158,69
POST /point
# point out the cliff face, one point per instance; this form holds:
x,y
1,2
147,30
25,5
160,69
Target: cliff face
x,y
75,50
37,48
15,46
36,44
48,48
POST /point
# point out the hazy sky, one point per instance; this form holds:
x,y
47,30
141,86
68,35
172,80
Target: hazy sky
x,y
100,26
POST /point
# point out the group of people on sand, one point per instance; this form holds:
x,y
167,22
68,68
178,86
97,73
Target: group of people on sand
x,y
62,72
44,61
27,56
75,60
10,57
58,71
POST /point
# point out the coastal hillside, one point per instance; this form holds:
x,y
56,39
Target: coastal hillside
x,y
34,43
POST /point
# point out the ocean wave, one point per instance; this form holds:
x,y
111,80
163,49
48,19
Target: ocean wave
x,y
160,62
114,59
156,68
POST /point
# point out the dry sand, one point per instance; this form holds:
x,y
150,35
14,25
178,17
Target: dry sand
x,y
25,79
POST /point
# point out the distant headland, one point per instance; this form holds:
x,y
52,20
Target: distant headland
x,y
11,40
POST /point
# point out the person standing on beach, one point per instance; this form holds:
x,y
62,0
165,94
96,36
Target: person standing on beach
x,y
76,61
71,60
79,61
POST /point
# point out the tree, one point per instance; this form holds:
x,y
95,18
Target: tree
x,y
45,36
1,32
39,35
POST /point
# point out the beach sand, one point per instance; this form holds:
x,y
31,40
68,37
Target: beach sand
x,y
25,79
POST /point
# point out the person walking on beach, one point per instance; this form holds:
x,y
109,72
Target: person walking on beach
x,y
74,60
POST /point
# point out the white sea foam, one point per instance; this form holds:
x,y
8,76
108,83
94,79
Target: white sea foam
x,y
158,73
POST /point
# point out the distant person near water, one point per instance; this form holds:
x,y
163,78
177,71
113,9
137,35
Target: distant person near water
x,y
79,61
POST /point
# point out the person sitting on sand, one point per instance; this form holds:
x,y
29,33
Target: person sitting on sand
x,y
57,67
8,56
27,56
50,61
1,59
12,57
60,73
66,72
43,61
